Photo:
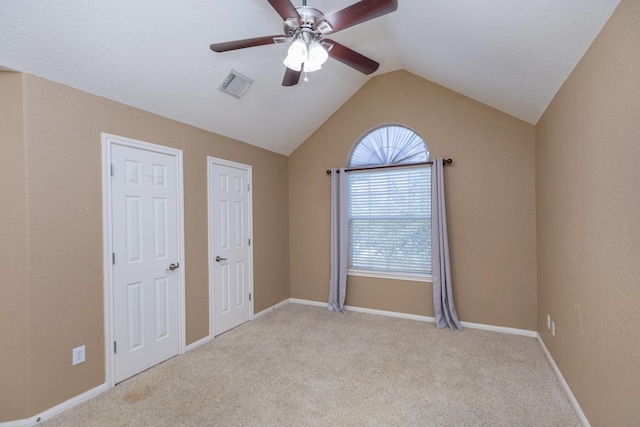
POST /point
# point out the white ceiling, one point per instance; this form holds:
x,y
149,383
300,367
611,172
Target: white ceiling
x,y
510,54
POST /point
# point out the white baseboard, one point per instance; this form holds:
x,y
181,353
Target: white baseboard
x,y
565,386
308,302
51,412
366,310
198,343
270,309
390,313
501,329
19,423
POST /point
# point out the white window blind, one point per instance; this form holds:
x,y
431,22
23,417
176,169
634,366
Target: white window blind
x,y
390,220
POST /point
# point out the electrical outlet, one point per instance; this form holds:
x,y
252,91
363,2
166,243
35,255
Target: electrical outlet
x,y
553,328
78,355
548,321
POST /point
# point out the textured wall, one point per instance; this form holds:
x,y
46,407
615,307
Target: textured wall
x,y
588,207
14,289
64,219
490,190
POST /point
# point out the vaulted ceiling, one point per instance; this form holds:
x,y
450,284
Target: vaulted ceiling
x,y
512,55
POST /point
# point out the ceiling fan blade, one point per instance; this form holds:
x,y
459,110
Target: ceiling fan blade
x,y
358,13
241,44
291,77
285,9
351,58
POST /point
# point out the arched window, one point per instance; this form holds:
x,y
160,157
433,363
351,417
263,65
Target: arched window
x,y
389,145
390,208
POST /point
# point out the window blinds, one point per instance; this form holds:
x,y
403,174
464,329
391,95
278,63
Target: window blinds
x,y
390,220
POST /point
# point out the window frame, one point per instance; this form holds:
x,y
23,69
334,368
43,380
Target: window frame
x,y
387,274
377,274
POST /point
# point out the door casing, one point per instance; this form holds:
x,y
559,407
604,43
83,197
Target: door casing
x,y
107,141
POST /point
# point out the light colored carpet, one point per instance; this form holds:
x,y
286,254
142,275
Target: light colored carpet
x,y
305,366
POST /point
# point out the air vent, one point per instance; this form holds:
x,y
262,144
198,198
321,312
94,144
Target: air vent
x,y
235,84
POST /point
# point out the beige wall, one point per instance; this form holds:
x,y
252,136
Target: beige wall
x,y
64,220
490,196
588,212
14,286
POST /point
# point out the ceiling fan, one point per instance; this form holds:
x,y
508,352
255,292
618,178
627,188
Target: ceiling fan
x,y
306,28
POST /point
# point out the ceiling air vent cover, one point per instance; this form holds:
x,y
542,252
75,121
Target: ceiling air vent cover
x,y
235,84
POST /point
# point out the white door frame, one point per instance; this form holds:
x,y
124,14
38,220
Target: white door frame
x,y
216,161
108,141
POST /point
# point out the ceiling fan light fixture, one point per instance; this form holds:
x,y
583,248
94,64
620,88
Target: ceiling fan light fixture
x,y
295,66
296,55
311,56
317,54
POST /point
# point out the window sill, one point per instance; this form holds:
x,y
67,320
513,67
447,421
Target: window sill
x,y
412,277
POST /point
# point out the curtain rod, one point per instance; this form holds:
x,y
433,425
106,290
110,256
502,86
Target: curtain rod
x,y
364,168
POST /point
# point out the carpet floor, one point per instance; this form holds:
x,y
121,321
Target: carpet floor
x,y
305,366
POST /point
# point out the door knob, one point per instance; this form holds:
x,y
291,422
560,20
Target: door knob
x,y
173,266
218,259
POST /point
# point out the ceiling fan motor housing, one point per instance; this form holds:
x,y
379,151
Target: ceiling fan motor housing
x,y
311,25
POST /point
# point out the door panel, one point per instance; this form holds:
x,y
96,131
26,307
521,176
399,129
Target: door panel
x,y
230,228
145,243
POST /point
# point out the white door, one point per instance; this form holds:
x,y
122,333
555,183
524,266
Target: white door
x,y
230,249
145,259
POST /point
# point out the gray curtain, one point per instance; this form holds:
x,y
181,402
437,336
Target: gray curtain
x,y
339,238
443,309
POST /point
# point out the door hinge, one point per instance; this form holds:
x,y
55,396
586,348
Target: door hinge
x,y
112,169
115,348
249,297
248,186
249,241
113,258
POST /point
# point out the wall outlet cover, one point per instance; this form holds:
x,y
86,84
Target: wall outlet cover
x,y
548,321
78,355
